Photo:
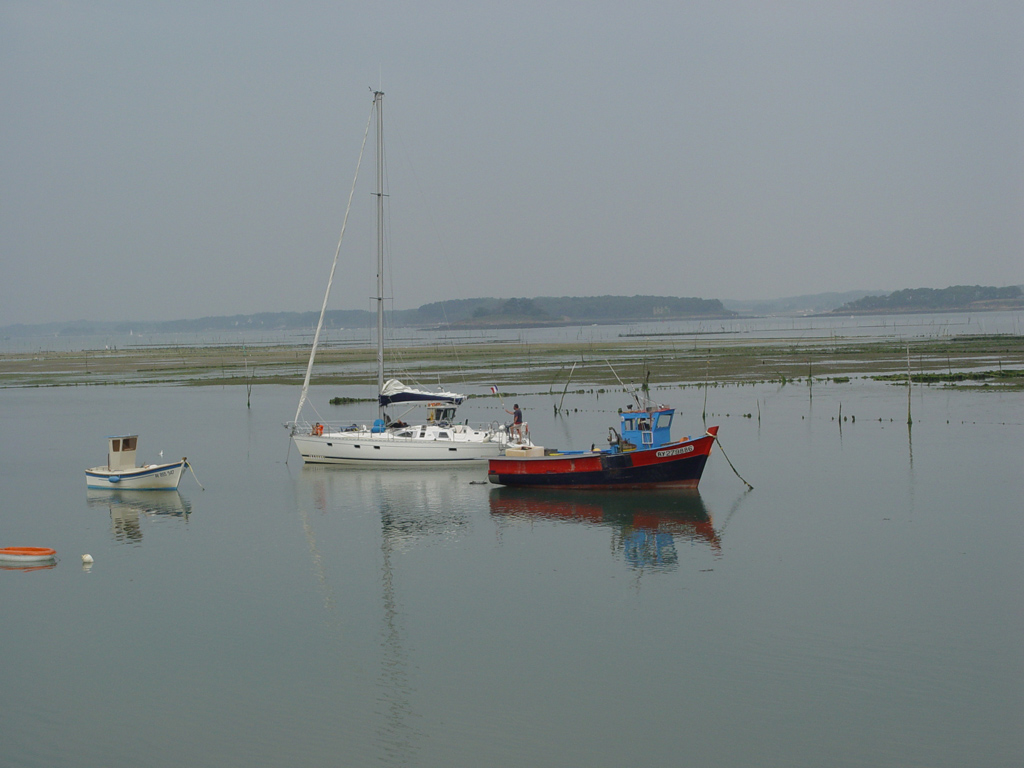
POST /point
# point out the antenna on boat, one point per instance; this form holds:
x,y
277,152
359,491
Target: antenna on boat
x,y
632,390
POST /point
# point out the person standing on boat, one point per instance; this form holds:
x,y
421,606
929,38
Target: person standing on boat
x,y
517,421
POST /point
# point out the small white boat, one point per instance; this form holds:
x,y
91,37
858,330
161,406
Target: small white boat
x,y
122,471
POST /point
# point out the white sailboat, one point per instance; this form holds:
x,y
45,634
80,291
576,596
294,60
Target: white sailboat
x,y
387,441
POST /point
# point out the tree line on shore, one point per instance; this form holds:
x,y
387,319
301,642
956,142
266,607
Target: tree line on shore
x,y
526,312
457,312
956,297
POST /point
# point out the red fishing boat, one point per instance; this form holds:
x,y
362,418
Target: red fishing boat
x,y
640,455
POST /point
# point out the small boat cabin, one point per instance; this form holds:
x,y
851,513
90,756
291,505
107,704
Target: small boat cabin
x,y
646,429
121,452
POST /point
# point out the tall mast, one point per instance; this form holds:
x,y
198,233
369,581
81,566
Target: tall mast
x,y
330,280
378,100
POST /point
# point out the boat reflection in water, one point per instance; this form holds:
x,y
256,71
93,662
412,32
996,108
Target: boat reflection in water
x,y
127,508
37,559
33,567
646,527
413,503
415,506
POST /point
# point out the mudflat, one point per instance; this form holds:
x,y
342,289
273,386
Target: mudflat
x,y
995,360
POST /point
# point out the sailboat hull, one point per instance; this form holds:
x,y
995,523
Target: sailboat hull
x,y
365,448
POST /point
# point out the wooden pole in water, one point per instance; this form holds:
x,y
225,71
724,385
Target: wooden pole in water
x,y
704,413
558,408
909,419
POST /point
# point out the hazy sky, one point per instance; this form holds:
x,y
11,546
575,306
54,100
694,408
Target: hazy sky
x,y
167,160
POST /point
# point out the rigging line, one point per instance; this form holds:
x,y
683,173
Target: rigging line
x,y
458,360
387,239
403,369
334,266
319,418
452,272
389,261
399,366
629,389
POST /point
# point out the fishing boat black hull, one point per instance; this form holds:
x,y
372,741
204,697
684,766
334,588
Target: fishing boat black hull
x,y
670,465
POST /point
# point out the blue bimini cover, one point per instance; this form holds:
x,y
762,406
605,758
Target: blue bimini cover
x,y
395,391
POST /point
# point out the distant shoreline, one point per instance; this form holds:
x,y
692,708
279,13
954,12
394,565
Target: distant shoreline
x,y
80,328
1009,307
563,311
508,324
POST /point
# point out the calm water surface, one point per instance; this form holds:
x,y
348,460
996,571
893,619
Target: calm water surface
x,y
860,607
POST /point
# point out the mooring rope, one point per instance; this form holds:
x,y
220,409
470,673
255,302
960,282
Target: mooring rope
x,y
730,463
189,465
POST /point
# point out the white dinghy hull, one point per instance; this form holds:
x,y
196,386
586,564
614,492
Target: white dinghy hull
x,y
151,477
